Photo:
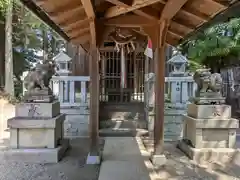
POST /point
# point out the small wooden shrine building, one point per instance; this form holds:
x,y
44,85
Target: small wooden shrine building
x,y
92,24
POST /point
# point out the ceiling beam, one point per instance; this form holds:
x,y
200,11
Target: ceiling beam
x,y
62,15
78,32
81,39
77,24
122,8
171,8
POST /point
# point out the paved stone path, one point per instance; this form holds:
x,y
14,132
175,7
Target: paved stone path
x,y
123,160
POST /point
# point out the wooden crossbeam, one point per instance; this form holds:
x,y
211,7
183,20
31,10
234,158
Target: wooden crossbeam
x,y
122,8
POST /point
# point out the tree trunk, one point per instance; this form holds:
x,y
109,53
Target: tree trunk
x,y
45,45
9,83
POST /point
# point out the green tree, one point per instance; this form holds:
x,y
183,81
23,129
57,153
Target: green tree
x,y
217,46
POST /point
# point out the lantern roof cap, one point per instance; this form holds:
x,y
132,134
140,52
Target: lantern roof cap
x,y
62,57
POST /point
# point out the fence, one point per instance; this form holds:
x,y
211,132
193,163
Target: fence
x,y
231,87
71,90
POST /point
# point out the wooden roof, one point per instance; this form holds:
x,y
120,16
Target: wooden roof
x,y
83,21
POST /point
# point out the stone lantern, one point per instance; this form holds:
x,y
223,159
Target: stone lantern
x,y
179,85
179,63
63,62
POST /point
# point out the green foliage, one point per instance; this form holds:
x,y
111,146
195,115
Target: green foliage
x,y
218,44
28,32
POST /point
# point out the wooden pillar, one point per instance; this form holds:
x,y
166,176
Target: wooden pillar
x,y
94,99
159,59
135,72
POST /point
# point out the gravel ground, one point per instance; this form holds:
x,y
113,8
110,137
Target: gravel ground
x,y
180,167
71,167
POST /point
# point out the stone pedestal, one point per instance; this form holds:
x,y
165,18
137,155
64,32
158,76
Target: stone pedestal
x,y
173,124
209,133
37,132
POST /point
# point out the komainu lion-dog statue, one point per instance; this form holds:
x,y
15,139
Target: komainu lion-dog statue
x,y
207,82
39,77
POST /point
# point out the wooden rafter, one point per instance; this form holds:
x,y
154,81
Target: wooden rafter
x,y
88,6
185,10
122,8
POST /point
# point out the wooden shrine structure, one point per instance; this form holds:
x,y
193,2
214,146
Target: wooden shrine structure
x,y
91,23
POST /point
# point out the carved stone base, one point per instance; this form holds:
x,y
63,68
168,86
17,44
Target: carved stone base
x,y
38,110
210,133
209,111
36,133
203,155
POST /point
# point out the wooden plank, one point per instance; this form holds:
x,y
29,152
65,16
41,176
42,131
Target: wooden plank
x,y
76,24
77,33
60,16
122,8
171,8
129,21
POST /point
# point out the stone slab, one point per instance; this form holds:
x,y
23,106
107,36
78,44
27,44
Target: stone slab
x,y
209,111
39,98
35,155
208,100
200,156
45,110
124,158
123,170
224,123
159,160
34,123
